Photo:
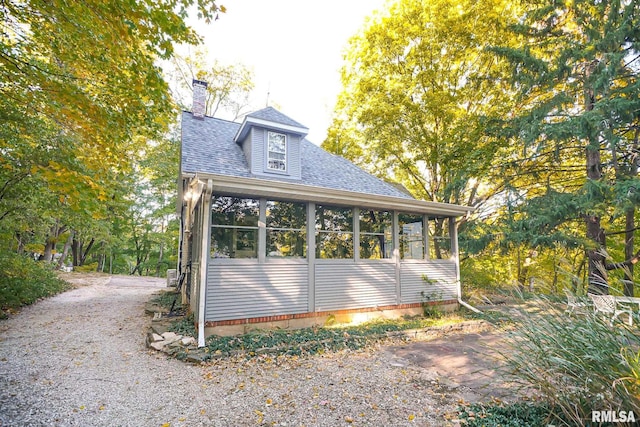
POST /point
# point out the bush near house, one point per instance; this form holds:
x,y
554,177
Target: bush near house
x,y
24,281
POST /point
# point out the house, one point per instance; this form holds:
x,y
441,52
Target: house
x,y
278,232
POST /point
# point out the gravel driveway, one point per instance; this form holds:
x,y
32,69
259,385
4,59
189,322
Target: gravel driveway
x,y
78,359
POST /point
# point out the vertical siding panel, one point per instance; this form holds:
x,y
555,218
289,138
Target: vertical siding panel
x,y
441,272
344,285
255,290
293,151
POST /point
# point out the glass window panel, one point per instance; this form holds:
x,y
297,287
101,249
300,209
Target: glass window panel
x,y
332,218
286,229
234,229
230,242
439,239
235,211
286,243
334,245
411,236
276,151
334,232
376,239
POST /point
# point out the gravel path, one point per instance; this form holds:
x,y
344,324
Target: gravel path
x,y
78,359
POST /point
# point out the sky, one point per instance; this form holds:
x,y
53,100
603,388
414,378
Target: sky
x,y
294,48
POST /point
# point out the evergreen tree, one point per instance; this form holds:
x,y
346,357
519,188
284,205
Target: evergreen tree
x,y
579,104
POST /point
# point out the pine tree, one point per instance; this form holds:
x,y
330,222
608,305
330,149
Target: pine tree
x,y
577,80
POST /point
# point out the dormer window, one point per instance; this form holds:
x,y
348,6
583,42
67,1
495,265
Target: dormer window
x,y
276,151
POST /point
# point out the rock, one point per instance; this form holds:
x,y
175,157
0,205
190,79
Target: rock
x,y
158,328
171,336
195,357
187,341
159,345
153,337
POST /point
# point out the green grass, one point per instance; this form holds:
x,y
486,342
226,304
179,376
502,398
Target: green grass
x,y
24,281
319,340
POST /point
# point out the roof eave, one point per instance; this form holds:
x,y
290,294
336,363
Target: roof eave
x,y
256,187
254,121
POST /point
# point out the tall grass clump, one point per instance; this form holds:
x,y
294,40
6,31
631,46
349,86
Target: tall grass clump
x,y
579,363
24,281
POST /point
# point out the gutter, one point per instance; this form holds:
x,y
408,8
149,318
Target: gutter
x,y
464,304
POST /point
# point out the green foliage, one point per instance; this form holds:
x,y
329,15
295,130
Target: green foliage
x,y
24,281
81,98
166,299
86,268
314,340
185,326
578,363
498,415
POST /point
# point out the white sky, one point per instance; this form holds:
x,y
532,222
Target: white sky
x,y
294,48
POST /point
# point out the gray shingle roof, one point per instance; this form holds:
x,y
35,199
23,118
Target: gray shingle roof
x,y
208,147
273,115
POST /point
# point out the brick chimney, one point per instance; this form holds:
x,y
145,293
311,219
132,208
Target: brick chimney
x,y
199,99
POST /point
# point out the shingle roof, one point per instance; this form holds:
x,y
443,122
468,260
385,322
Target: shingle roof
x,y
208,147
273,115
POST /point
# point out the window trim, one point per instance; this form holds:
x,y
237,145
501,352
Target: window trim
x,y
268,152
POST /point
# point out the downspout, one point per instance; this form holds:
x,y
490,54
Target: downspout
x,y
453,233
204,259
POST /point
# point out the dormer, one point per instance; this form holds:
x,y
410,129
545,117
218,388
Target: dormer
x,y
271,143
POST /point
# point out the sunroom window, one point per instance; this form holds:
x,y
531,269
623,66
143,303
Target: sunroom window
x,y
439,238
286,229
276,151
234,227
411,231
376,238
334,232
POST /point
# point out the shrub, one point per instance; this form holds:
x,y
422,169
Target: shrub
x,y
522,414
87,268
579,363
24,281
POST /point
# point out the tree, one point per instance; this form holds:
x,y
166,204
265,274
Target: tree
x,y
579,93
228,86
80,93
417,84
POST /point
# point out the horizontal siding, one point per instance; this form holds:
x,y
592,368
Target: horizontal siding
x,y
245,291
443,272
349,285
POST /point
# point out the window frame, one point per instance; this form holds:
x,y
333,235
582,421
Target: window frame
x,y
386,234
302,231
268,152
339,233
235,228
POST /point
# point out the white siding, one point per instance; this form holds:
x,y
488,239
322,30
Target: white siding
x,y
345,285
442,272
255,290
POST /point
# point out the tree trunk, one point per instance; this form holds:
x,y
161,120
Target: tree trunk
x,y
629,251
598,283
65,250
